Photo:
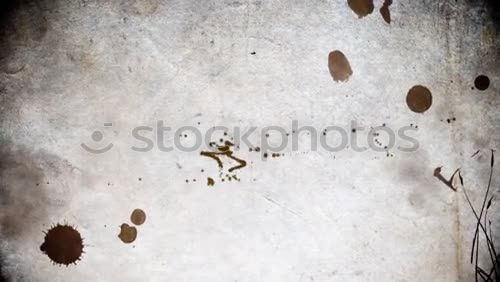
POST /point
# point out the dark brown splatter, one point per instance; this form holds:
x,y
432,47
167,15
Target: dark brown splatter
x,y
222,151
127,233
63,245
339,66
385,12
482,82
419,99
361,7
210,181
138,217
225,151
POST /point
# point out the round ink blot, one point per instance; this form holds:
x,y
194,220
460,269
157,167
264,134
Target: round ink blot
x,y
63,245
97,136
419,99
482,82
138,217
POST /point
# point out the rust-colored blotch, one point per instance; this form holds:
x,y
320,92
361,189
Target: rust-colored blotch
x,y
138,217
362,8
339,66
127,233
63,244
419,99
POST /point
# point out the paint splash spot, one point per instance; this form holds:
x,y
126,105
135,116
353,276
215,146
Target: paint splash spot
x,y
362,8
482,82
419,99
385,12
63,245
138,217
339,66
127,233
210,181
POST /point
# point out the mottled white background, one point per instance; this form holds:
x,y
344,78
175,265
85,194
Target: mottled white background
x,y
70,66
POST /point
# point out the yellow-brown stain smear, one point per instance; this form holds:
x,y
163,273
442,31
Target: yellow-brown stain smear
x,y
138,217
127,233
339,66
63,245
210,181
419,99
385,12
362,8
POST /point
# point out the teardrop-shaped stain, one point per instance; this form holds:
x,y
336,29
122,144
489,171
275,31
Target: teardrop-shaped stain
x,y
419,99
362,8
339,66
385,12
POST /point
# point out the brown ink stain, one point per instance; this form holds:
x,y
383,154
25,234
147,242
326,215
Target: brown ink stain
x,y
339,66
127,233
385,12
482,82
419,99
210,181
219,153
362,8
63,245
225,151
138,217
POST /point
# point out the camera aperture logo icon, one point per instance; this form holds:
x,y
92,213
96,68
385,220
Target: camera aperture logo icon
x,y
97,136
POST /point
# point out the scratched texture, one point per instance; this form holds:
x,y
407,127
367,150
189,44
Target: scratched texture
x,y
67,67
